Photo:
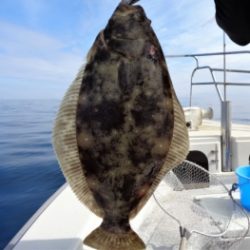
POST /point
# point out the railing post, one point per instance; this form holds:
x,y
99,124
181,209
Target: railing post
x,y
226,136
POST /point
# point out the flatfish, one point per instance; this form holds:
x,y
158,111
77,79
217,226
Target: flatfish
x,y
120,127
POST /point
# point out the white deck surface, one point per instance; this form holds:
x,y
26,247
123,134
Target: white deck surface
x,y
64,225
66,222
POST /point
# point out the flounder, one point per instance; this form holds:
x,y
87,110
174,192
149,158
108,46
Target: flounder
x,y
120,127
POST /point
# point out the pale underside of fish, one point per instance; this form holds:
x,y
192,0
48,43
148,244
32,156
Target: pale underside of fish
x,y
120,127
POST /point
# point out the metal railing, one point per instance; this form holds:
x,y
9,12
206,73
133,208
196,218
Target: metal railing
x,y
212,70
225,104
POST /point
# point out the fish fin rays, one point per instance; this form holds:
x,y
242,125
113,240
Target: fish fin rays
x,y
104,240
65,146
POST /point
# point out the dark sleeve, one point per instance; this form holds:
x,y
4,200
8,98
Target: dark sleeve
x,y
233,16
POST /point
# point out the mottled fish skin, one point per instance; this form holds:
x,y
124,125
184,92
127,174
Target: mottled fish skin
x,y
124,116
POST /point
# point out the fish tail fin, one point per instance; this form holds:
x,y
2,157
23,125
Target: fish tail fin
x,y
104,240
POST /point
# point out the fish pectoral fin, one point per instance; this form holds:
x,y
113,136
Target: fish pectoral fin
x,y
104,240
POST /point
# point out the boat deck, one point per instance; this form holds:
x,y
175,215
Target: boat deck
x,y
66,222
212,128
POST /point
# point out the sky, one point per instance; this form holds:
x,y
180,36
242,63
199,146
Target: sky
x,y
43,43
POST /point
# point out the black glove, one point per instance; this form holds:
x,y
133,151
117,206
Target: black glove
x,y
233,16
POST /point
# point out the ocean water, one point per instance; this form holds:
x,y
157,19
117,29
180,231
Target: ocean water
x,y
29,172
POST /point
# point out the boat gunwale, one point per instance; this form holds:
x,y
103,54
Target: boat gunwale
x,y
18,236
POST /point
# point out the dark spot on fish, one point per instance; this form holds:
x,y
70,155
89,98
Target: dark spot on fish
x,y
78,126
141,118
89,67
100,200
140,79
113,28
88,82
134,202
124,79
119,28
139,151
119,46
89,161
102,55
144,109
128,187
95,165
129,75
167,126
108,114
113,224
166,83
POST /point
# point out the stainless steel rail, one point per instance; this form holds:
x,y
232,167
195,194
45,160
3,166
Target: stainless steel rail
x,y
225,104
211,54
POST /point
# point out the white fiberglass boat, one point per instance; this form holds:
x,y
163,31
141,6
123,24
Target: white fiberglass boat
x,y
218,147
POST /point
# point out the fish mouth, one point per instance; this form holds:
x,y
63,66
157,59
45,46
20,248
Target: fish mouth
x,y
128,22
131,12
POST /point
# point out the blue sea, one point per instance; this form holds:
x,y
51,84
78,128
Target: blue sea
x,y
29,172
